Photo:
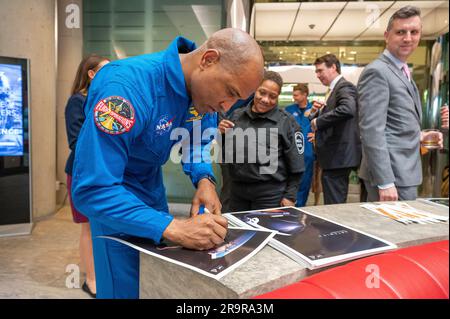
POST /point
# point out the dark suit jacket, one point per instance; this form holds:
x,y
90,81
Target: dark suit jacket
x,y
338,143
75,118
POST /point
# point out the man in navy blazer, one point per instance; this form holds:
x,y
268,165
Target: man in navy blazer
x,y
338,145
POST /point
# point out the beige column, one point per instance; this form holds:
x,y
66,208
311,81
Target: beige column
x,y
70,50
28,31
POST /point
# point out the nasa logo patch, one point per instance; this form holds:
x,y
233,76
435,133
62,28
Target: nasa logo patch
x,y
114,115
164,125
300,142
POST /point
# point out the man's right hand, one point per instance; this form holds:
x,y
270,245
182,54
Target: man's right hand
x,y
388,194
316,106
200,232
224,125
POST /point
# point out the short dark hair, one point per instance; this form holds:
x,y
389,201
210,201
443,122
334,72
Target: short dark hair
x,y
274,77
403,13
302,87
329,60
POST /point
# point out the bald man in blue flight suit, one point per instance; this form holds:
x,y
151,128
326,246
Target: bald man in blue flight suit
x,y
301,110
132,108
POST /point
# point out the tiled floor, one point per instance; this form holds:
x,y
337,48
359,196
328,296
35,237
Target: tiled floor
x,y
35,266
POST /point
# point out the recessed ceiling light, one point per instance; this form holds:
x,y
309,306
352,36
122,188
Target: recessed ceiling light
x,y
353,52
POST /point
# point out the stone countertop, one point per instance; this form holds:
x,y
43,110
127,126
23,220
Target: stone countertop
x,y
269,269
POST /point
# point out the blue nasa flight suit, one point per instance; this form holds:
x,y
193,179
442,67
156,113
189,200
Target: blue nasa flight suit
x,y
309,157
132,107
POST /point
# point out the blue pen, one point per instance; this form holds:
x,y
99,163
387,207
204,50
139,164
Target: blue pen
x,y
202,210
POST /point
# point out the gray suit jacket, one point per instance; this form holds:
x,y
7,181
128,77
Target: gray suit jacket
x,y
389,120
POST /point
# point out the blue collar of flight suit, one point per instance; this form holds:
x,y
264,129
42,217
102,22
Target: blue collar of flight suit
x,y
308,106
174,71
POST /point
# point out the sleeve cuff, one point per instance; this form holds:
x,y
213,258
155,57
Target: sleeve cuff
x,y
386,186
208,176
157,236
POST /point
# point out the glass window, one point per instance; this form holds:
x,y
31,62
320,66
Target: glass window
x,y
119,29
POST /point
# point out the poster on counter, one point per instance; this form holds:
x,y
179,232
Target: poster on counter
x,y
441,202
240,245
309,239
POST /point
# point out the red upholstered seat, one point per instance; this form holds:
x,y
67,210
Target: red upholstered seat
x,y
408,273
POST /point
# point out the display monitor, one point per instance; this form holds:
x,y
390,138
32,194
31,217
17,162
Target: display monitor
x,y
13,106
15,184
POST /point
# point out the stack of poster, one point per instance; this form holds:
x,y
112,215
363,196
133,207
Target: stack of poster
x,y
240,245
308,239
440,202
404,213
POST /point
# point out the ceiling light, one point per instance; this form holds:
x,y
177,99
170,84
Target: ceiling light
x,y
353,52
328,52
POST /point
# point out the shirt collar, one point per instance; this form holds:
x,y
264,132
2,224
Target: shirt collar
x,y
308,106
272,115
335,81
398,63
174,71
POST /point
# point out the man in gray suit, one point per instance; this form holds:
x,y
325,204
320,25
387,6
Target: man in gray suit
x,y
391,113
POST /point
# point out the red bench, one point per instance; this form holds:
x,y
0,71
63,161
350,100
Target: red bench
x,y
408,273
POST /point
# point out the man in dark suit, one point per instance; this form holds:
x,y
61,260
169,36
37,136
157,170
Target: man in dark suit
x,y
338,144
